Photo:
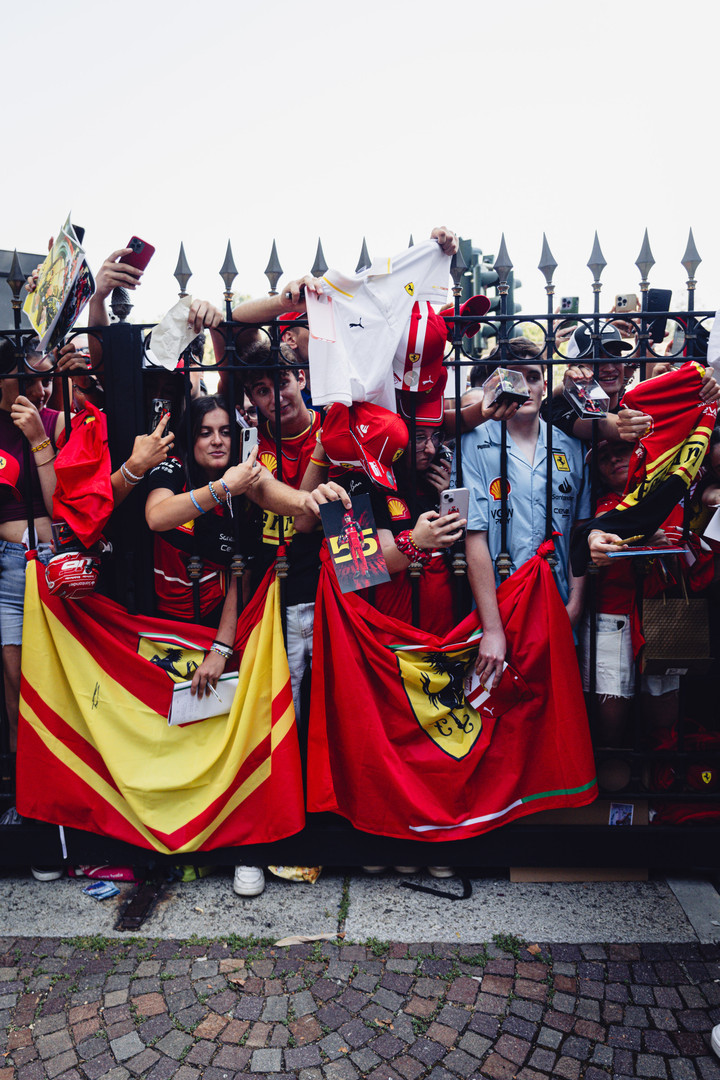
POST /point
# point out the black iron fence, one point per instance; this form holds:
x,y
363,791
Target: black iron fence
x,y
128,383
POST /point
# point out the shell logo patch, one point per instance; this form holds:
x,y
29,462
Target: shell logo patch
x,y
398,508
269,461
495,488
410,288
561,462
188,527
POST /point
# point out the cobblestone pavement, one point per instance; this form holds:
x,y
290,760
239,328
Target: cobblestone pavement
x,y
85,1009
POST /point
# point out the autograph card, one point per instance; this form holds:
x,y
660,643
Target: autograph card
x,y
353,544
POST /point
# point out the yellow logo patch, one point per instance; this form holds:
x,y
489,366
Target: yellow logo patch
x,y
410,288
435,686
177,658
561,462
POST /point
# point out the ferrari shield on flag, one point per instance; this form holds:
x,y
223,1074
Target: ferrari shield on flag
x,y
404,741
95,750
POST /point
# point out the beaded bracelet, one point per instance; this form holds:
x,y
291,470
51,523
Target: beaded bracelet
x,y
132,475
128,477
225,653
406,545
40,446
196,504
228,497
215,497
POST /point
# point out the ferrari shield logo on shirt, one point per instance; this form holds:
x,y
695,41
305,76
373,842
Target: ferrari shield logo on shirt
x,y
561,462
177,658
435,686
413,357
410,288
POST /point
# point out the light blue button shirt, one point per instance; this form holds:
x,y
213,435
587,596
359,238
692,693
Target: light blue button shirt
x,y
526,495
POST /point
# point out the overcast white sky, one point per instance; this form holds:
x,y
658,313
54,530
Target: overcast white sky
x,y
202,121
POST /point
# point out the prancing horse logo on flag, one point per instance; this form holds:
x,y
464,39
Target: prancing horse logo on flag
x,y
435,686
177,658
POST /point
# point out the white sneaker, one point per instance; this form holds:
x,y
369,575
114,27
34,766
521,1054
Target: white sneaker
x,y
46,873
441,871
715,1039
406,869
248,880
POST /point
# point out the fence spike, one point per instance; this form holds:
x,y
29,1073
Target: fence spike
x,y
691,259
547,264
503,263
273,270
458,266
16,277
228,270
319,267
645,260
596,263
183,273
364,262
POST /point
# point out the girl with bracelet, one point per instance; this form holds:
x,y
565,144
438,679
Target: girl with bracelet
x,y
189,508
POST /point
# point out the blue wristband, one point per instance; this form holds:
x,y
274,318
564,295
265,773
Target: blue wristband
x,y
196,504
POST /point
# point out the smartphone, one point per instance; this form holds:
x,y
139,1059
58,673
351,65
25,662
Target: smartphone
x,y
142,253
626,302
569,305
249,438
158,407
658,300
455,500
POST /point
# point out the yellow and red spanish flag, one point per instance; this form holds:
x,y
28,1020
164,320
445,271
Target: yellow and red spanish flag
x,y
95,750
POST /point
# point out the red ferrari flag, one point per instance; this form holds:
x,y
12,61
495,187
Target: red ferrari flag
x,y
402,741
96,752
83,492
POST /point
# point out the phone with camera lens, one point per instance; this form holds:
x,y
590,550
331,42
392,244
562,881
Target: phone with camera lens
x,y
140,253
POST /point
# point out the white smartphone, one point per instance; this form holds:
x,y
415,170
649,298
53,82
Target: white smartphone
x,y
455,500
249,438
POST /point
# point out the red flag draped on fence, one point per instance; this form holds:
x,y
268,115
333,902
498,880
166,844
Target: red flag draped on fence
x,y
83,492
94,747
396,746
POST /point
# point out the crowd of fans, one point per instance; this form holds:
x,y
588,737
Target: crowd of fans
x,y
201,502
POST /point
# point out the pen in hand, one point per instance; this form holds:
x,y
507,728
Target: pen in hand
x,y
212,690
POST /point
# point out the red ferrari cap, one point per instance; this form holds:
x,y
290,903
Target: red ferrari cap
x,y
365,436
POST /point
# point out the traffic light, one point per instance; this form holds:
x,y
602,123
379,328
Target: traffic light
x,y
479,279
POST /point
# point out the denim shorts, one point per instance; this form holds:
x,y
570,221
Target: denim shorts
x,y
614,660
12,588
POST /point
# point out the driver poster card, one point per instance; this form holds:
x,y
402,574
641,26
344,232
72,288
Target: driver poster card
x,y
353,544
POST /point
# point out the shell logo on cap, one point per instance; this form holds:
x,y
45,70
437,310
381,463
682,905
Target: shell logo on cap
x,y
495,488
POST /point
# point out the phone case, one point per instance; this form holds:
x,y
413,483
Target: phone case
x,y
141,254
